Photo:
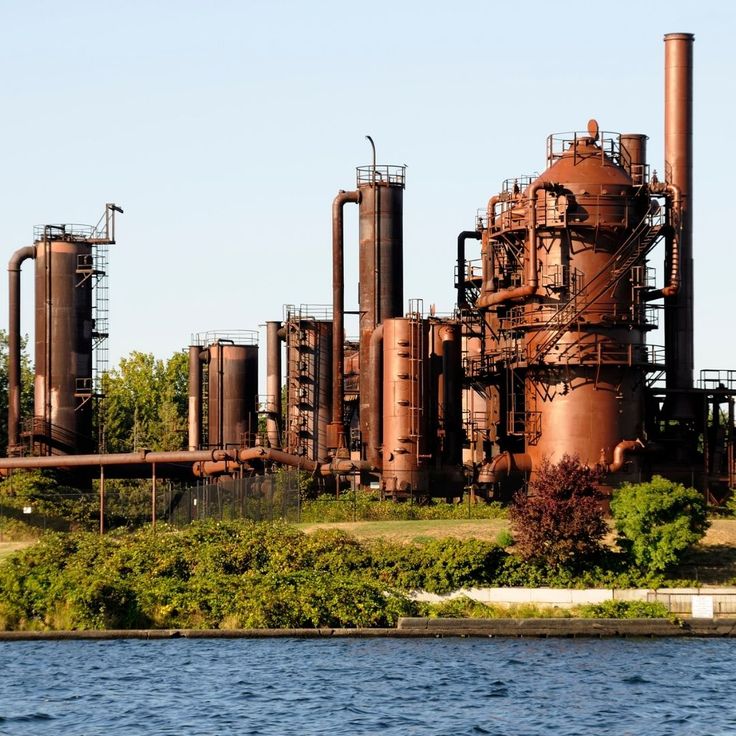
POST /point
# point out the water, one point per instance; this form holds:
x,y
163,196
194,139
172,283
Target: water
x,y
370,686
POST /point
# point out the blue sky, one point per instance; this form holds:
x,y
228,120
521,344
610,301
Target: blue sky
x,y
225,129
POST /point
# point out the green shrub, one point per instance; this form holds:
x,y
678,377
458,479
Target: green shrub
x,y
658,521
623,609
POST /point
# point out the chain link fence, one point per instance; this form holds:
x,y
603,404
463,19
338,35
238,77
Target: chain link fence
x,y
133,503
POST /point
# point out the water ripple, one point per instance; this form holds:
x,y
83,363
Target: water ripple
x,y
359,687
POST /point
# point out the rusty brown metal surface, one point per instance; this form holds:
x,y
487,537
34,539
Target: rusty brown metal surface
x,y
678,147
14,344
274,334
194,407
309,343
63,339
380,266
232,394
404,466
337,429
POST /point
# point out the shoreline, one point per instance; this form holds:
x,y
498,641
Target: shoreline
x,y
433,628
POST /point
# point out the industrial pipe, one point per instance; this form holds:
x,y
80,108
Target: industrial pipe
x,y
14,381
532,279
674,200
273,383
504,465
376,398
337,429
195,397
462,299
112,459
451,395
619,455
678,147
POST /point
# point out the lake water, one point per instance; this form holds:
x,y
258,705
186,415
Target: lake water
x,y
369,686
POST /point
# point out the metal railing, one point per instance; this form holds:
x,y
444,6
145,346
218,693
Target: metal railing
x,y
385,175
236,337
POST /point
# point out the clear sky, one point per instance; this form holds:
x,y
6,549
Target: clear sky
x,y
226,128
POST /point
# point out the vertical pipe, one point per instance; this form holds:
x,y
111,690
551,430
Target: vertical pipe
x,y
337,432
376,391
14,378
273,384
153,495
195,397
452,392
102,500
678,147
462,299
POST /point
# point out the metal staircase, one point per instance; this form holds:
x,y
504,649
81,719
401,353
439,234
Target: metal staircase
x,y
640,242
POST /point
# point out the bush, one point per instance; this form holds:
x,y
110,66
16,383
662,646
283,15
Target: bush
x,y
623,609
560,521
658,521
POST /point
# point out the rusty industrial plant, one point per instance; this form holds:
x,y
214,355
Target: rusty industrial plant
x,y
545,354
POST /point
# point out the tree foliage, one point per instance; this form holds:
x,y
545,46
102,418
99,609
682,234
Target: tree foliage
x,y
146,403
658,521
560,520
26,396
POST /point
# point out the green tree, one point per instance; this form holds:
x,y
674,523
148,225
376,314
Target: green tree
x,y
26,396
658,521
146,403
560,521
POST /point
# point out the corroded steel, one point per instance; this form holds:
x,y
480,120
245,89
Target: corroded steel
x,y
63,337
232,394
678,147
380,266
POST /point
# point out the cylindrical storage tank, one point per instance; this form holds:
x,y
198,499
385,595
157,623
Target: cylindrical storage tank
x,y
381,271
404,468
309,386
63,388
232,400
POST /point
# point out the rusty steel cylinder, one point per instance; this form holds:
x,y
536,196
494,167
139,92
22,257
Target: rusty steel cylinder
x,y
380,266
232,395
273,383
63,324
634,156
678,154
404,393
194,398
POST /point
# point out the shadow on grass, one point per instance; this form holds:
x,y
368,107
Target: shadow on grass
x,y
708,564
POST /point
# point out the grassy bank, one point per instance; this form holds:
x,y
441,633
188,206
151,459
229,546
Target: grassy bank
x,y
245,575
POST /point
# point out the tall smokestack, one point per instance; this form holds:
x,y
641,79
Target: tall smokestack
x,y
678,150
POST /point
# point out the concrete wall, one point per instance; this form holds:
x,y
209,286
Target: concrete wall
x,y
677,600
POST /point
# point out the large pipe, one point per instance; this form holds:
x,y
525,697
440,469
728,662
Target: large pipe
x,y
504,465
531,286
14,387
337,430
462,298
376,396
674,203
678,147
112,459
195,397
619,455
273,383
